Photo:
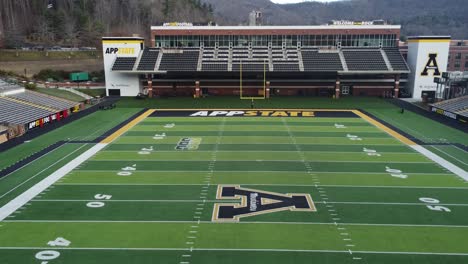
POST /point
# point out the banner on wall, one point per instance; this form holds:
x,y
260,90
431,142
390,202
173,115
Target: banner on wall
x,y
48,119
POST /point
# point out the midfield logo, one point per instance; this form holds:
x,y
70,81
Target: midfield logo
x,y
188,144
257,202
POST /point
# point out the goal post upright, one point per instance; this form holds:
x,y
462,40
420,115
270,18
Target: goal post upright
x,y
263,97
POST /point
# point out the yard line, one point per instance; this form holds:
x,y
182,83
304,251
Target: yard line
x,y
35,175
25,197
449,155
263,184
444,163
33,161
135,201
285,171
237,223
276,160
239,250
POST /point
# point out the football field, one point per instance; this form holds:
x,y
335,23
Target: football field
x,y
208,187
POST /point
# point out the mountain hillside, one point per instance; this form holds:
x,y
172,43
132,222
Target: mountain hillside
x,y
84,22
439,17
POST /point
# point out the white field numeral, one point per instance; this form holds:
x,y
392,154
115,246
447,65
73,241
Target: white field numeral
x,y
146,151
431,203
371,152
47,255
59,242
353,137
396,173
160,136
127,171
98,204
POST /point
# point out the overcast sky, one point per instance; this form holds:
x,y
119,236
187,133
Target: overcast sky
x,y
298,1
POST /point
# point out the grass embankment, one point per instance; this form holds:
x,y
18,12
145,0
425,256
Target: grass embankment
x,y
21,55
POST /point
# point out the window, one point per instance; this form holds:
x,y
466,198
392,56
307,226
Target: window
x,y
458,56
466,64
457,65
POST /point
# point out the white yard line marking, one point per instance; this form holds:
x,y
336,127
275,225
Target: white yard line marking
x,y
25,197
241,250
284,185
35,175
449,155
442,162
238,223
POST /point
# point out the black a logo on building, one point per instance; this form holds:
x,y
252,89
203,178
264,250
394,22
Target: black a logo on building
x,y
257,202
431,65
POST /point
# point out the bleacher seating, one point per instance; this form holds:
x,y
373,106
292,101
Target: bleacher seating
x,y
214,67
44,100
179,60
286,67
9,87
148,60
251,67
276,58
457,105
19,114
124,64
321,61
364,60
396,59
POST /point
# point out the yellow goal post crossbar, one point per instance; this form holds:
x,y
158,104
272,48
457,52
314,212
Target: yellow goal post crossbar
x,y
242,97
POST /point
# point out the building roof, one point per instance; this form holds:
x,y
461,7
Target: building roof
x,y
337,27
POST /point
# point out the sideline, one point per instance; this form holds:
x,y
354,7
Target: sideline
x,y
25,197
420,149
28,195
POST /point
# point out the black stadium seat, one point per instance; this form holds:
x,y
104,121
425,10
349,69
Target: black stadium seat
x,y
148,60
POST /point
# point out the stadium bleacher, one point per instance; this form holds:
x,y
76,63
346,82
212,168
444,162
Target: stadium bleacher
x,y
39,99
365,60
281,59
214,66
17,113
7,88
321,61
179,60
286,67
457,106
124,64
148,60
396,59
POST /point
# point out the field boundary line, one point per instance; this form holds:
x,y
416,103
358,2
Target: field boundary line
x,y
243,249
28,195
317,201
461,161
230,223
125,128
277,160
442,162
265,184
383,127
425,152
35,175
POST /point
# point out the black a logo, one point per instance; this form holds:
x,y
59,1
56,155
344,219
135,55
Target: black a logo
x,y
431,65
256,202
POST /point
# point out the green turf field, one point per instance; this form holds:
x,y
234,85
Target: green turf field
x,y
142,200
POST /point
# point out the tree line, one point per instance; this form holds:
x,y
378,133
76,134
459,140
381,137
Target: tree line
x,y
84,22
